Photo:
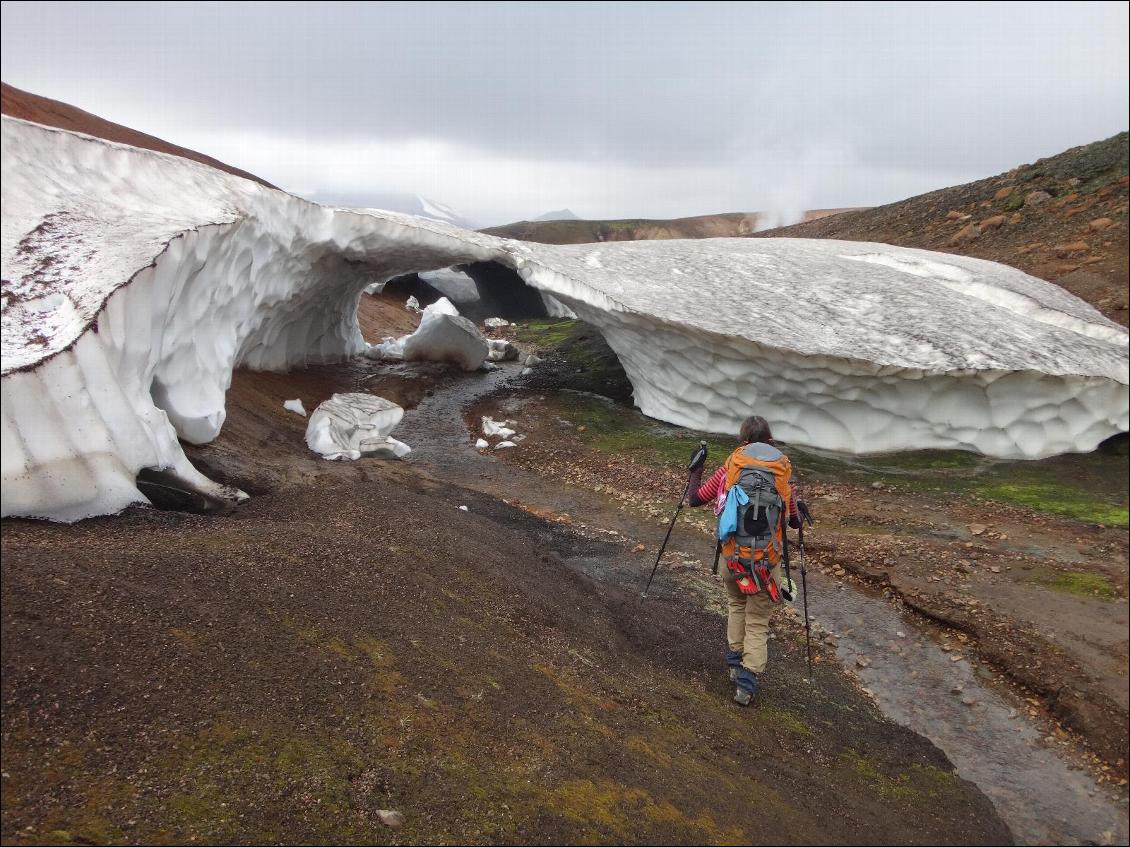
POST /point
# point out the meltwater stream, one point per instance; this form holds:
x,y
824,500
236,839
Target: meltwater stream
x,y
1041,797
990,740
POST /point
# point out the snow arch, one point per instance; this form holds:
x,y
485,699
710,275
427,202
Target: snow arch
x,y
135,282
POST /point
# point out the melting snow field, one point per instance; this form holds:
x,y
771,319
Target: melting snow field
x,y
135,282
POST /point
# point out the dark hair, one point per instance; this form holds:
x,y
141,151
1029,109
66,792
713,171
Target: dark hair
x,y
755,429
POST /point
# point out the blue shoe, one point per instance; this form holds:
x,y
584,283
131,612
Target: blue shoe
x,y
746,681
733,662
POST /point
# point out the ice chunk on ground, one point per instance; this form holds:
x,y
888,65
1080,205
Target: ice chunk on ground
x,y
482,444
442,306
491,427
443,337
495,323
502,445
532,359
526,371
348,426
412,305
501,350
295,406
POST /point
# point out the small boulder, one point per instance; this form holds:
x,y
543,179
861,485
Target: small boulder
x,y
391,818
1036,198
1070,248
954,215
1002,193
966,233
992,223
1099,224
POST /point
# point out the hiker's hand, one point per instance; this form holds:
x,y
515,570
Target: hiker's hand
x,y
804,512
698,459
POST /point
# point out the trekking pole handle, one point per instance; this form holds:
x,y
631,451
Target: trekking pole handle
x,y
699,456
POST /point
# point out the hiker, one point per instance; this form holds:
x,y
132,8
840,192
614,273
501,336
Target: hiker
x,y
754,495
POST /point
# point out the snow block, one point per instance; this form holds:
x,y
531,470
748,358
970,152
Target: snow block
x,y
349,426
444,337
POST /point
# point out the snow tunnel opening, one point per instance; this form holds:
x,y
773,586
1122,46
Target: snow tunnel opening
x,y
502,293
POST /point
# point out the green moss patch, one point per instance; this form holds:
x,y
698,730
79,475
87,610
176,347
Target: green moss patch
x,y
1079,584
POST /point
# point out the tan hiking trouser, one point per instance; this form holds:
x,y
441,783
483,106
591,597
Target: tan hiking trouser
x,y
747,625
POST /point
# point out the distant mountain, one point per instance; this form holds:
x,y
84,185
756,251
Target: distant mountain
x,y
559,215
1063,219
407,204
577,231
42,110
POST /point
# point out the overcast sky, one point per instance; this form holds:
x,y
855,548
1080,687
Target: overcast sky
x,y
509,110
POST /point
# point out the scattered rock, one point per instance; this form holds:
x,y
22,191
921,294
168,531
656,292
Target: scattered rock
x,y
876,484
1003,192
390,818
992,223
639,548
1036,198
1099,224
863,662
966,233
995,569
977,529
1015,219
1065,250
969,701
954,215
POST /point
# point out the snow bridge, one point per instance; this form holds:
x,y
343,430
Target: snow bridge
x,y
135,282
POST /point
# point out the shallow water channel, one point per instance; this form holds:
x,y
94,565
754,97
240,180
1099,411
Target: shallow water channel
x,y
981,726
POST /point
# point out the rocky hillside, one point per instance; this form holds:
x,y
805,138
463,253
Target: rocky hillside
x,y
42,110
1062,219
639,229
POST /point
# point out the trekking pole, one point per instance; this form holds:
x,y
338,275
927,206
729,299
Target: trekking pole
x,y
804,590
699,457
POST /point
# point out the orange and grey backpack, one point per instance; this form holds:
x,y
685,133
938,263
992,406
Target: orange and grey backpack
x,y
755,529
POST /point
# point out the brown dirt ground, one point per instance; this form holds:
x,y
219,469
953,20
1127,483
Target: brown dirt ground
x,y
1078,238
1066,653
350,641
